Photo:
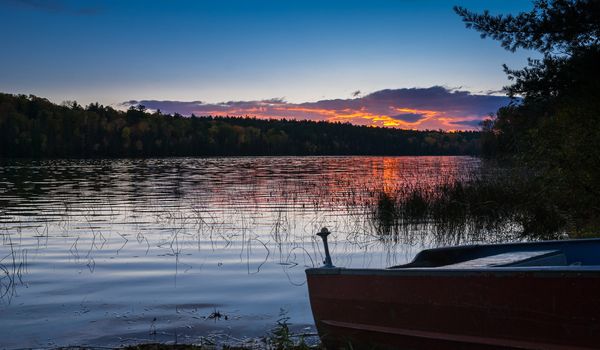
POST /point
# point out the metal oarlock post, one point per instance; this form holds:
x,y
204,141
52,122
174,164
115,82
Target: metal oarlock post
x,y
323,234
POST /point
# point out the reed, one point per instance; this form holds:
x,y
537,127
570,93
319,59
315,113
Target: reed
x,y
480,208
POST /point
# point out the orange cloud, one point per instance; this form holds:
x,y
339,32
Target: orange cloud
x,y
430,108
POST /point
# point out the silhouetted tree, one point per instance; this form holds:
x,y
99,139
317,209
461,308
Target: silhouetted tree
x,y
33,127
555,127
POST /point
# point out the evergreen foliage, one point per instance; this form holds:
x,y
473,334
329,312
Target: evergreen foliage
x,y
554,128
34,127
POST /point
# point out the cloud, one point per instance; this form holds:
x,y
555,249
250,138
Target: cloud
x,y
50,5
495,92
412,108
409,117
473,123
54,6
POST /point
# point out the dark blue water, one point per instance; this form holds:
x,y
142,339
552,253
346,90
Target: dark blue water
x,y
112,252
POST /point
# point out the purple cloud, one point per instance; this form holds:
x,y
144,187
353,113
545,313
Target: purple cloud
x,y
409,117
471,123
55,6
414,108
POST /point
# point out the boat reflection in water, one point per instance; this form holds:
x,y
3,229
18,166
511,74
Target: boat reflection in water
x,y
540,295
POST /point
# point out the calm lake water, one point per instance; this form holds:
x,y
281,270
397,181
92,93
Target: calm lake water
x,y
112,252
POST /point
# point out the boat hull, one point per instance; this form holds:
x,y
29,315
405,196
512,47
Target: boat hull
x,y
456,309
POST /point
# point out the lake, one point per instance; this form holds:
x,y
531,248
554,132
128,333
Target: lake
x,y
113,252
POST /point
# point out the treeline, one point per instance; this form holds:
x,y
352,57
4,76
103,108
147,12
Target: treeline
x,y
31,126
554,127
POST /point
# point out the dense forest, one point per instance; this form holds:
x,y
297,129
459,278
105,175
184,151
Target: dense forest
x,y
31,126
554,127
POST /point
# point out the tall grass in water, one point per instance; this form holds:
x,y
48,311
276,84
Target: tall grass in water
x,y
481,208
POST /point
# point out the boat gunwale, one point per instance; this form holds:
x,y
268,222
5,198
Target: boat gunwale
x,y
535,271
577,241
513,244
421,263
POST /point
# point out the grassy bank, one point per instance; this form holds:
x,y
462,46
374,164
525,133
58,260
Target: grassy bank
x,y
159,346
225,347
280,338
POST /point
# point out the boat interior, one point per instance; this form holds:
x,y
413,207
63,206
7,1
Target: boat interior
x,y
572,253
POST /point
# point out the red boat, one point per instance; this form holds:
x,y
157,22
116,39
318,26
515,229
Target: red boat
x,y
541,295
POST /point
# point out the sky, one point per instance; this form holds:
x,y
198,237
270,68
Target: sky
x,y
397,63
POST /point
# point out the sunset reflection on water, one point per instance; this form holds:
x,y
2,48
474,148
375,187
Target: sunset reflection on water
x,y
94,250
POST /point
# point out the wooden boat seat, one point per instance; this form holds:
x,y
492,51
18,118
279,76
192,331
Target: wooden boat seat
x,y
515,259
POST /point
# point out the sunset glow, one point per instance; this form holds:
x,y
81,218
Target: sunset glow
x,y
427,108
399,64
